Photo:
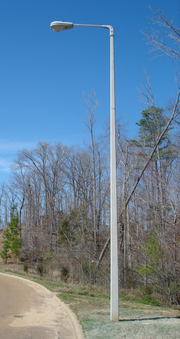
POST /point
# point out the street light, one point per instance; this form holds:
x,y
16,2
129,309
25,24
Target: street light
x,y
58,26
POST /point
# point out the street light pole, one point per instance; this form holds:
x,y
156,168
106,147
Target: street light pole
x,y
114,298
58,26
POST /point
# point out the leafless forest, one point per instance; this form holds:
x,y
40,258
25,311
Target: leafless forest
x,y
63,202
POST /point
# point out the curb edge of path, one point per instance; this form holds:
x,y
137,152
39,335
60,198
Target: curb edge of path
x,y
77,326
73,318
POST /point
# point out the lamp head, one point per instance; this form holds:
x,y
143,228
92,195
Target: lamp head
x,y
58,26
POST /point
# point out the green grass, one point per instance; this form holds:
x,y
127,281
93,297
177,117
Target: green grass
x,y
84,299
53,284
147,300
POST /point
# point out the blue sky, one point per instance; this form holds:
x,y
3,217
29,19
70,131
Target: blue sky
x,y
43,74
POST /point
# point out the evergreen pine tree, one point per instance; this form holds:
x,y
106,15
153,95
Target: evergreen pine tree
x,y
151,125
11,242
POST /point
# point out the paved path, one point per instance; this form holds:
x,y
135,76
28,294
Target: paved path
x,y
30,311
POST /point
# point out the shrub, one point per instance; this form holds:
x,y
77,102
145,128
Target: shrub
x,y
146,290
175,292
40,270
26,267
64,273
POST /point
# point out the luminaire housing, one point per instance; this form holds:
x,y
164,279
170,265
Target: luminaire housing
x,y
58,26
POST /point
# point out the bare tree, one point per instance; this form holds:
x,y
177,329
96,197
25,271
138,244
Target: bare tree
x,y
175,112
91,104
166,39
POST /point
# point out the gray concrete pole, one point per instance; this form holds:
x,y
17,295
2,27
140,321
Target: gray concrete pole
x,y
114,302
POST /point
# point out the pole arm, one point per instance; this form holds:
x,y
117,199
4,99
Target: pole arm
x,y
111,29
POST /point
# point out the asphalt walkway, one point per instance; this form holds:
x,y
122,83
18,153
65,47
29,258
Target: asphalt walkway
x,y
29,311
